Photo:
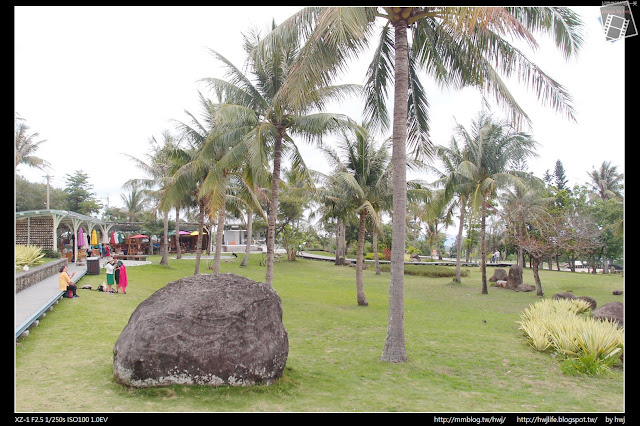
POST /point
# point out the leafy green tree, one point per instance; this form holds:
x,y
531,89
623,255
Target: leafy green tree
x,y
115,214
80,198
560,177
522,204
608,215
32,196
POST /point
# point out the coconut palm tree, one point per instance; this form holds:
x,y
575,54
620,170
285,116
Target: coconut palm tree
x,y
456,45
331,204
195,162
491,149
253,109
159,170
26,146
606,181
437,214
454,185
361,170
134,201
253,195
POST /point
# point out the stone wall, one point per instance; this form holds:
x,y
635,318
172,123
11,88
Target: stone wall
x,y
36,274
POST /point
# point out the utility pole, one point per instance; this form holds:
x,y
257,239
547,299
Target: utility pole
x,y
48,177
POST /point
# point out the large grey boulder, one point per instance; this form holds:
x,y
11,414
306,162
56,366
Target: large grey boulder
x,y
613,311
514,279
207,329
564,295
499,274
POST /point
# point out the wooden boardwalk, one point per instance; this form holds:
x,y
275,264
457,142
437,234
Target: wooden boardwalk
x,y
314,256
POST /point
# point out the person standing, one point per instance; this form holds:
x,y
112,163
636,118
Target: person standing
x,y
110,268
66,284
116,274
123,280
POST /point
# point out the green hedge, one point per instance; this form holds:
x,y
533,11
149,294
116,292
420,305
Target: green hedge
x,y
431,271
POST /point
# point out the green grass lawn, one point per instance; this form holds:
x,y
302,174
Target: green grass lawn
x,y
456,361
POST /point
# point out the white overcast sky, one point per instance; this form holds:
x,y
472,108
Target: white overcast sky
x,y
98,82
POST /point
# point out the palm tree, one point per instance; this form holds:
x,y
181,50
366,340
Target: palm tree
x,y
134,201
159,168
257,112
454,185
490,149
193,168
361,170
458,46
439,212
606,181
332,205
26,145
253,195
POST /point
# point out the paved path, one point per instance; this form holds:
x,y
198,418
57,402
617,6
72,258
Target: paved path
x,y
31,300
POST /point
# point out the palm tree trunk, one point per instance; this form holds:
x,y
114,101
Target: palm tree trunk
x,y
536,276
343,242
520,261
375,251
199,239
459,243
483,249
178,248
219,234
362,299
338,260
165,240
273,208
247,248
394,347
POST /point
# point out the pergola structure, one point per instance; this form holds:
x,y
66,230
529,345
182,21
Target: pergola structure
x,y
40,227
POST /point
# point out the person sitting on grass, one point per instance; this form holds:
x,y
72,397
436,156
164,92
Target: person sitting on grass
x,y
66,284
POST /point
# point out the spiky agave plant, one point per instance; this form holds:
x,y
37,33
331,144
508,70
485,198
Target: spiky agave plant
x,y
27,256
